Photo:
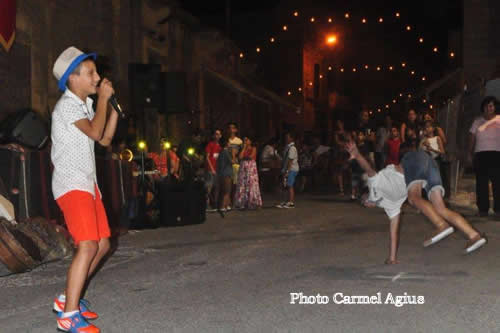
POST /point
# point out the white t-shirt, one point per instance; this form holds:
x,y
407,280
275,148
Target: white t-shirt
x,y
291,154
268,154
388,190
487,140
72,151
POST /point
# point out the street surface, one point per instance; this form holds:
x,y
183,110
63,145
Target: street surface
x,y
237,274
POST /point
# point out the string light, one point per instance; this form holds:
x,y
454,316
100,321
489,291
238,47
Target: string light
x,y
403,64
296,14
401,95
329,68
313,19
285,28
300,89
409,95
272,39
412,72
366,66
452,54
241,55
394,101
321,76
381,20
342,70
391,68
363,21
387,106
289,93
435,49
330,20
408,28
424,101
378,68
258,49
310,83
397,14
423,78
421,40
346,15
354,69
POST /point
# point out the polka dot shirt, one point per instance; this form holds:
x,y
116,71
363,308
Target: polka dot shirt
x,y
72,151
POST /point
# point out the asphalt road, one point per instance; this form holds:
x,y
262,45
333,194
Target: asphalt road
x,y
239,274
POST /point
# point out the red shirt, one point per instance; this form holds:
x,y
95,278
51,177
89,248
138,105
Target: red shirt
x,y
393,151
213,149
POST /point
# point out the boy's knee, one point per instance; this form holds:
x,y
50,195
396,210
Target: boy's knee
x,y
88,248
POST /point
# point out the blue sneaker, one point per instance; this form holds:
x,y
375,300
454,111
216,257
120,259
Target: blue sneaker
x,y
75,324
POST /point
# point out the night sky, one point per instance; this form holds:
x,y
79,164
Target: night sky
x,y
253,22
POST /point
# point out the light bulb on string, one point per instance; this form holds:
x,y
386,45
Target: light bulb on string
x,y
363,21
452,54
347,15
408,28
242,55
381,20
285,28
329,68
421,40
378,68
435,49
403,64
313,19
296,14
272,40
397,14
366,66
258,50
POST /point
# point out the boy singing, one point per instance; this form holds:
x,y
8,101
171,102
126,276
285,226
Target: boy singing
x,y
75,129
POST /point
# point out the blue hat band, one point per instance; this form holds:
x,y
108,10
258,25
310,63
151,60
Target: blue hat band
x,y
64,78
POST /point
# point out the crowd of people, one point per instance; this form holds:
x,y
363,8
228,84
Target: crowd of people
x,y
235,169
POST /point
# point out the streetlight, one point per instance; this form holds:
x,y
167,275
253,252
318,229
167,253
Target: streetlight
x,y
331,39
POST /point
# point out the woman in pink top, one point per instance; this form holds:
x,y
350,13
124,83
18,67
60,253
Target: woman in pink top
x,y
484,147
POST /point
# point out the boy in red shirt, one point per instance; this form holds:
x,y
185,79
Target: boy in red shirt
x,y
212,151
393,144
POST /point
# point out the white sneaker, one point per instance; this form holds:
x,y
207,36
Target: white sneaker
x,y
289,205
281,205
228,208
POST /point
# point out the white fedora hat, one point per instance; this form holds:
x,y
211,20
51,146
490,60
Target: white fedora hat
x,y
66,64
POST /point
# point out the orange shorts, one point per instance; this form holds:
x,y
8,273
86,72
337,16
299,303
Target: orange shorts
x,y
85,216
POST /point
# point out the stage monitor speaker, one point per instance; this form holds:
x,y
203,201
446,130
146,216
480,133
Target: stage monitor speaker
x,y
26,128
174,85
146,86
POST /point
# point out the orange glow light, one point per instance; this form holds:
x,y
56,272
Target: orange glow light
x,y
272,39
313,19
330,20
408,28
332,39
381,20
285,28
363,20
296,14
346,15
452,54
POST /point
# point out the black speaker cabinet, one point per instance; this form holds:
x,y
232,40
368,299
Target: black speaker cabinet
x,y
26,128
146,87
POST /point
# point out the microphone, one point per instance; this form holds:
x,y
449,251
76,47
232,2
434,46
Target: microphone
x,y
114,103
116,106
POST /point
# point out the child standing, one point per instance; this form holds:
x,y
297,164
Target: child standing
x,y
75,129
290,170
392,146
223,175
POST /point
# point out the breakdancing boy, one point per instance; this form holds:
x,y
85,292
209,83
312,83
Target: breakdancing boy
x,y
75,129
391,186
